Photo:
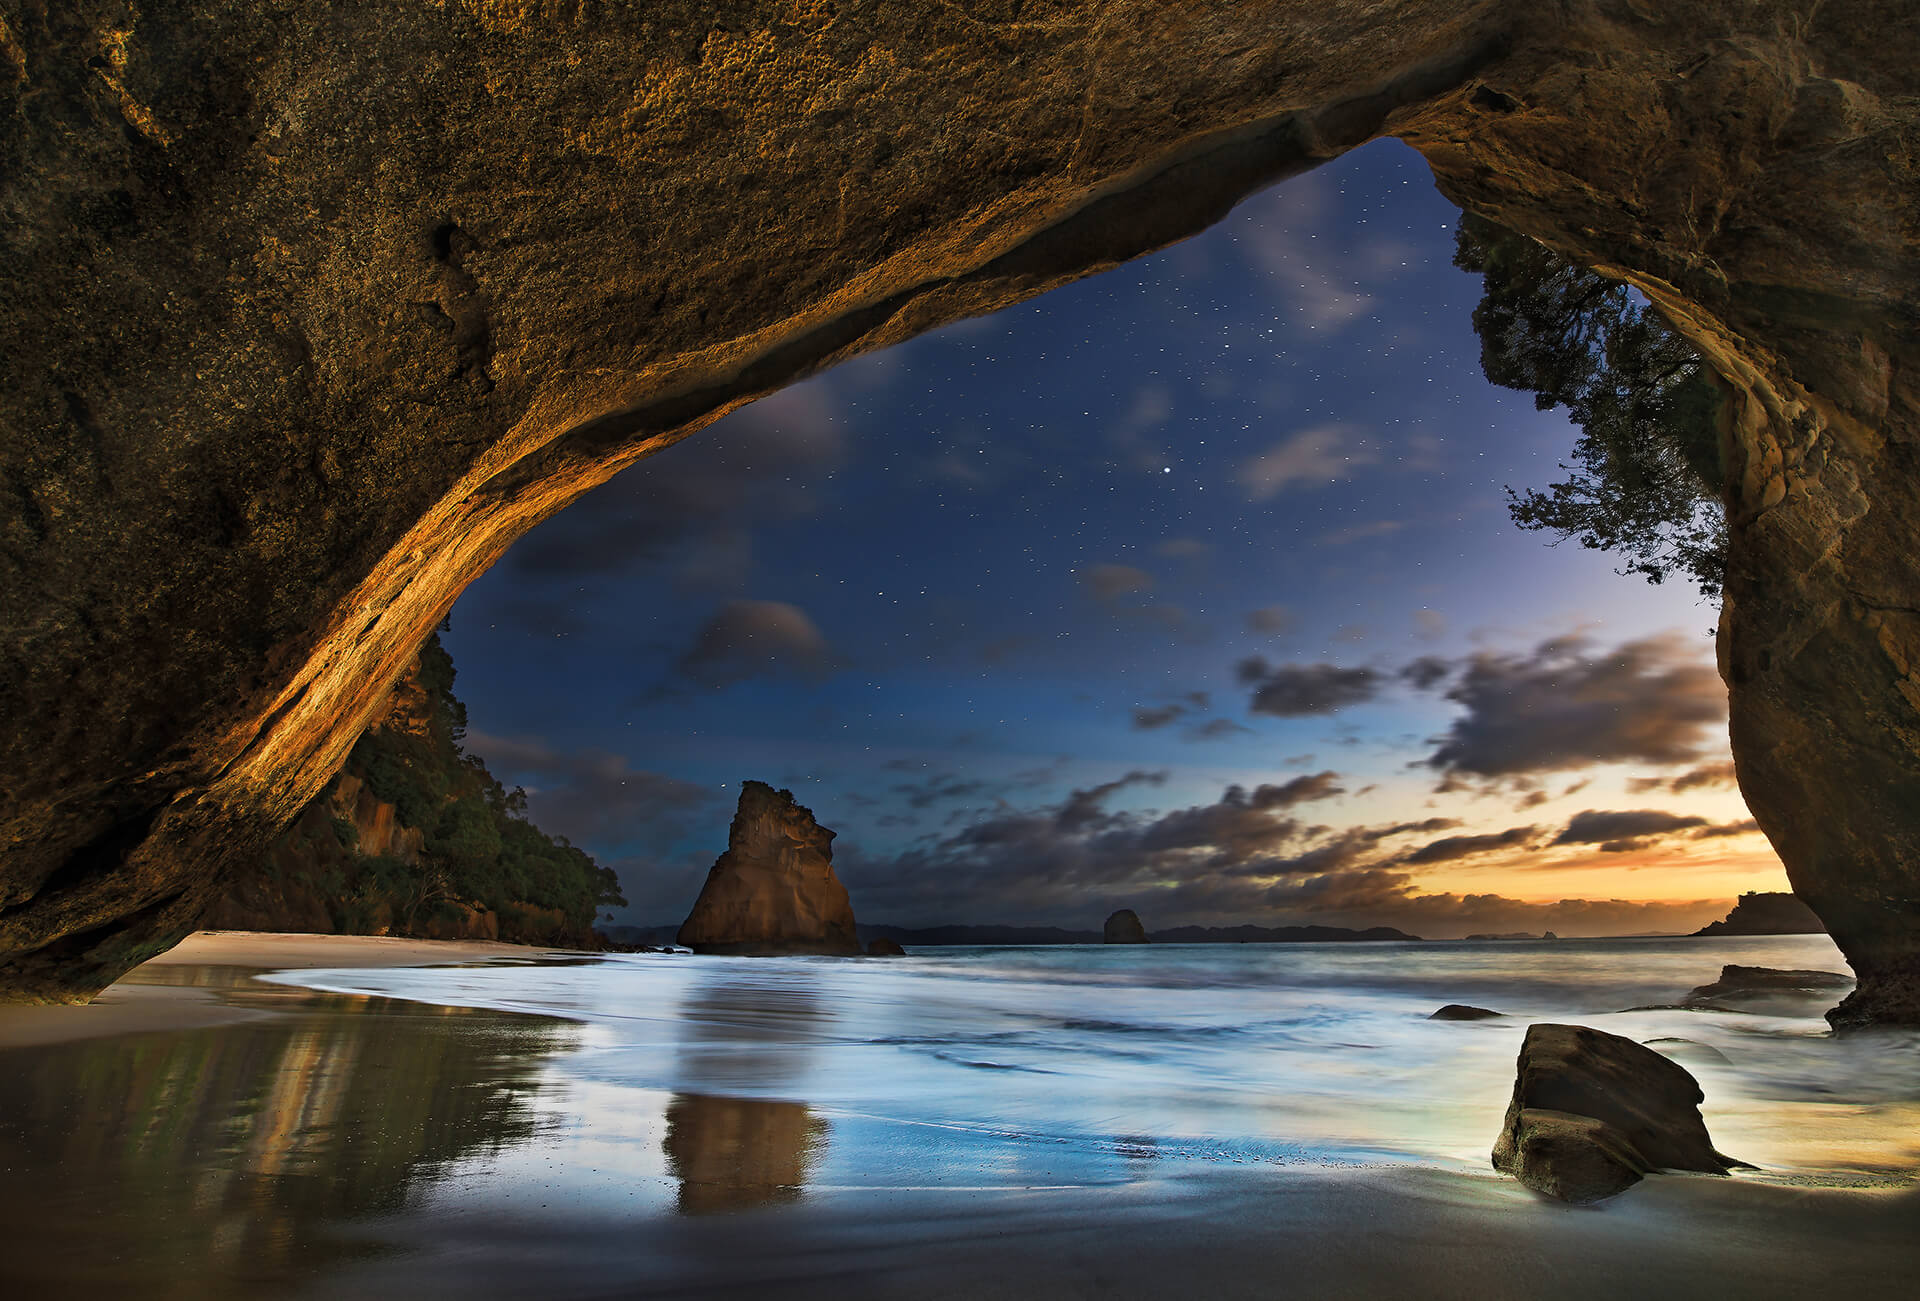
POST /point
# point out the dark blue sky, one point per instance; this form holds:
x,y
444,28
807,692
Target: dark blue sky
x,y
1228,517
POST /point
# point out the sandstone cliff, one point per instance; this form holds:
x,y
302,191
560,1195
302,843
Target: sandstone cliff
x,y
774,890
312,309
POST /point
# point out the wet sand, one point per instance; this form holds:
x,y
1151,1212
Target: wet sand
x,y
257,1140
1389,1233
147,999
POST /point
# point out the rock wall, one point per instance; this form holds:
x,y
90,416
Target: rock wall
x,y
313,309
774,890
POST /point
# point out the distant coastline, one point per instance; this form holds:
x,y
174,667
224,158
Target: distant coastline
x,y
1013,935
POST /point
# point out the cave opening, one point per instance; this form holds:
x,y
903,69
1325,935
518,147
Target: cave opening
x,y
1224,518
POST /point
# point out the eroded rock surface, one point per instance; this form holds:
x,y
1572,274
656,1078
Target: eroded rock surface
x,y
774,890
1593,1112
313,309
1124,928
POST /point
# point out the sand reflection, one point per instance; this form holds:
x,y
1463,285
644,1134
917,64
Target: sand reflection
x,y
732,1153
221,1162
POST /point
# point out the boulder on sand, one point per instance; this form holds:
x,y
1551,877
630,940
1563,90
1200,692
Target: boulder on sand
x,y
1593,1112
774,890
1124,928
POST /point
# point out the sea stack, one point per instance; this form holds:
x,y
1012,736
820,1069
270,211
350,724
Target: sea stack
x,y
1124,928
774,890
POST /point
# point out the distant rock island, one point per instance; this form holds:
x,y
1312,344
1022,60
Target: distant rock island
x,y
774,890
1515,935
1124,928
1767,913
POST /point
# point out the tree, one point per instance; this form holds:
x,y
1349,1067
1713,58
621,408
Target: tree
x,y
1646,470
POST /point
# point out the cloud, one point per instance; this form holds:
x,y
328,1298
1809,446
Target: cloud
x,y
1361,532
1382,897
1430,625
1109,582
1215,729
1184,549
1712,774
1150,718
1049,860
1318,455
1300,690
1426,672
1085,809
1275,620
1453,847
1245,857
691,509
1617,831
1747,827
593,796
1321,278
1566,705
748,639
940,787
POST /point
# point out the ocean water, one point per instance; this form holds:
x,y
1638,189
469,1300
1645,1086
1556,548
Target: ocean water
x,y
709,1084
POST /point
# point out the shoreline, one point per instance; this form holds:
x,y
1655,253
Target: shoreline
x,y
148,998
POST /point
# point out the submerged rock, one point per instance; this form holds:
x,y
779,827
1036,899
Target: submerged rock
x,y
1463,1012
774,890
1685,1050
1124,928
882,947
1593,1112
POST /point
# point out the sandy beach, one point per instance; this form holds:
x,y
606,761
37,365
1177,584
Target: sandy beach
x,y
149,998
198,1132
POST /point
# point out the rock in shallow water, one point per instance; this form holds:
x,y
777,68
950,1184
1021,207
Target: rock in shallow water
x,y
1463,1012
1737,981
774,890
882,947
1124,928
1593,1112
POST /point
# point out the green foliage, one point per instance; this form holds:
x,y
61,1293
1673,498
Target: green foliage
x,y
1646,473
405,771
478,847
344,832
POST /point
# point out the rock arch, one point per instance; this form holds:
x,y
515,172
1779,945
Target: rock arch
x,y
312,312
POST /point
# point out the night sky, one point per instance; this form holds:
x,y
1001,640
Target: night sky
x,y
1188,588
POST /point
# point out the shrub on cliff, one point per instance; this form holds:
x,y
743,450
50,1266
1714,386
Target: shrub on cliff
x,y
1645,476
475,845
